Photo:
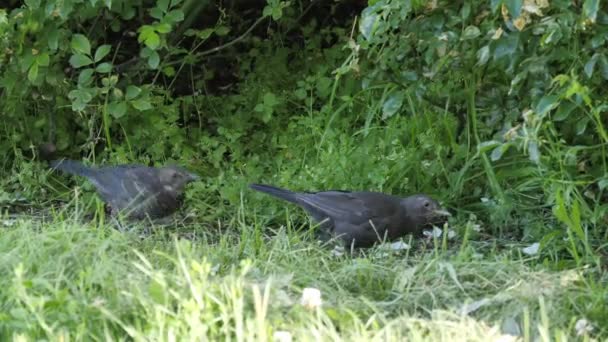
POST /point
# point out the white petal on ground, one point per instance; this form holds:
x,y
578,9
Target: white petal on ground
x,y
451,234
436,232
399,246
282,336
532,249
583,327
311,298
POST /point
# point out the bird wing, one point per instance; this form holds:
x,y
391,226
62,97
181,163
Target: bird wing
x,y
125,186
353,207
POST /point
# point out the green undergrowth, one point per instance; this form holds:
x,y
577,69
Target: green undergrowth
x,y
65,279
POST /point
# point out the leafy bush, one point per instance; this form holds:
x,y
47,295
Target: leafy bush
x,y
495,107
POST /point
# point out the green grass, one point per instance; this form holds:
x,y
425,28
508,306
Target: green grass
x,y
65,280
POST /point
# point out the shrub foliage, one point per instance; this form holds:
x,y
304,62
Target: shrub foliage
x,y
496,107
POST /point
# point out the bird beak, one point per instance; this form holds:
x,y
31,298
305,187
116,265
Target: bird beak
x,y
441,212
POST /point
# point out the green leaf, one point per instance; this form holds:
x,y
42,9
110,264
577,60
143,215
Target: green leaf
x,y
43,59
148,36
145,52
163,5
222,30
80,98
78,60
534,151
277,13
590,65
506,45
206,33
33,72
392,104
259,108
156,13
270,100
117,109
553,36
590,8
174,16
581,125
604,66
301,93
163,28
603,183
487,145
514,7
153,60
85,76
368,22
499,151
132,92
471,32
26,62
101,52
53,39
152,41
169,71
483,55
563,111
267,12
81,44
546,104
104,68
141,104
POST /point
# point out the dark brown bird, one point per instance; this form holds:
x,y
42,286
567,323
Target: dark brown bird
x,y
363,218
136,191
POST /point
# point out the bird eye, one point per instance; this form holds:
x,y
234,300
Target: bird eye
x,y
427,204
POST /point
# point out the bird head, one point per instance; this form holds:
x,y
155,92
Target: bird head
x,y
424,210
175,178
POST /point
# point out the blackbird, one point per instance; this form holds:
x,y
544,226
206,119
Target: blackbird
x,y
136,191
363,218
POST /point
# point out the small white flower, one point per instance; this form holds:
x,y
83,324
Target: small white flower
x,y
484,199
476,227
532,249
311,298
282,336
583,327
399,245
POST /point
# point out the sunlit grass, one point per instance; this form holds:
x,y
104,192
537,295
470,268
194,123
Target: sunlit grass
x,y
64,279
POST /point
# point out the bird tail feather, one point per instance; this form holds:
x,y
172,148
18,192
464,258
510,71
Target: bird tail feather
x,y
277,192
72,167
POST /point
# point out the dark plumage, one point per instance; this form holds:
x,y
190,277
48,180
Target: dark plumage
x,y
348,214
136,191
